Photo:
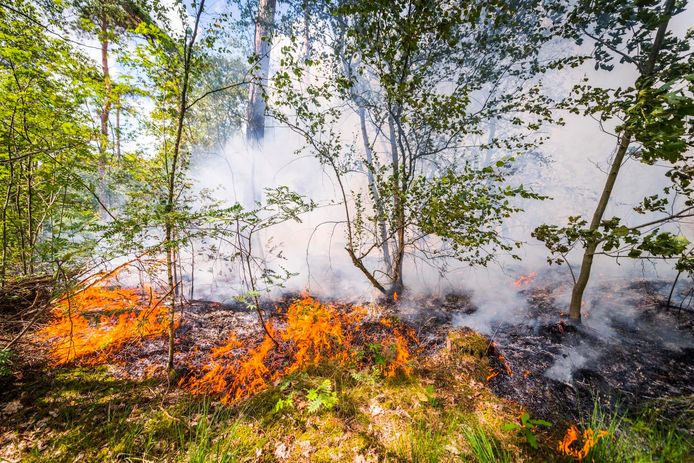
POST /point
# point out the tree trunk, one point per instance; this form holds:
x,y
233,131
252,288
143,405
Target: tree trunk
x,y
592,245
105,111
170,243
118,129
255,114
625,139
397,285
31,238
378,204
6,205
307,29
172,310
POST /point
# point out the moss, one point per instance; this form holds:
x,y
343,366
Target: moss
x,y
467,342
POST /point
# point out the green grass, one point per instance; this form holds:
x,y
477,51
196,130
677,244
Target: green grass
x,y
484,448
88,414
422,443
661,432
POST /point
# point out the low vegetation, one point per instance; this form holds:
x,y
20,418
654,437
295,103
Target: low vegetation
x,y
441,410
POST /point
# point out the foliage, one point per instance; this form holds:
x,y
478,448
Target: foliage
x,y
651,119
321,397
406,69
527,427
46,199
284,404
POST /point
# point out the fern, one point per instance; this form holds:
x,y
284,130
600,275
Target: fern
x,y
321,397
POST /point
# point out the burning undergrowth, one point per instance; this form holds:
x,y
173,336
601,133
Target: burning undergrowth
x,y
221,349
308,333
629,349
98,320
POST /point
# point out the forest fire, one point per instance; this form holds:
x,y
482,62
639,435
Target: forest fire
x,y
101,318
312,332
356,231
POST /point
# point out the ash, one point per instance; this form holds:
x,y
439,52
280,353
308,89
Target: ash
x,y
630,349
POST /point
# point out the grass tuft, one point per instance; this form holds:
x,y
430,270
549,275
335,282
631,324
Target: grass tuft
x,y
485,449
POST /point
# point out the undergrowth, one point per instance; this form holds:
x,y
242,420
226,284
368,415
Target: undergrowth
x,y
661,432
441,412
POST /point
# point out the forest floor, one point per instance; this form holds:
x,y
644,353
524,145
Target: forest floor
x,y
459,403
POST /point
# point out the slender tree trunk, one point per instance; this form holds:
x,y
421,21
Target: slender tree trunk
x,y
625,138
378,204
397,284
168,232
592,245
5,207
255,114
31,240
118,133
170,243
104,116
489,155
307,30
21,231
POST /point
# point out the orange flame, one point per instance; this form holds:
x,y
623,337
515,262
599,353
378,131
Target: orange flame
x,y
99,320
525,280
313,332
401,362
589,438
318,331
506,365
395,296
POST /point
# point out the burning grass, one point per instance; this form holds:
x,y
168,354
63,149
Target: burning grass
x,y
577,448
311,333
98,320
442,410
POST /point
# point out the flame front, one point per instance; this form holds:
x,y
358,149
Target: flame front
x,y
314,332
100,319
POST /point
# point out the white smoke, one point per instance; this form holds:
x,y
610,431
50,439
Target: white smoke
x,y
579,151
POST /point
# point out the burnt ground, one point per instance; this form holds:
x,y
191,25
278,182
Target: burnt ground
x,y
633,352
629,351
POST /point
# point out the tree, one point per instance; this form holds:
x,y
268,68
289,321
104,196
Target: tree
x,y
108,19
45,135
255,115
162,214
423,79
157,213
652,127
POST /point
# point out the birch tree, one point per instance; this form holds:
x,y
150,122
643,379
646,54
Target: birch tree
x,y
255,115
653,124
422,88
